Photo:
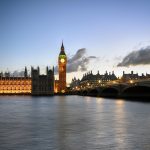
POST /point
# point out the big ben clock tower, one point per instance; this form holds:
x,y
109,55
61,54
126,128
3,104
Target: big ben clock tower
x,y
62,62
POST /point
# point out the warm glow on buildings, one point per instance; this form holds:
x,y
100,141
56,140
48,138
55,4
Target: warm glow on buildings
x,y
60,85
15,85
56,86
36,84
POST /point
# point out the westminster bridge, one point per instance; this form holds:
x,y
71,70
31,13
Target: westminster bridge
x,y
132,88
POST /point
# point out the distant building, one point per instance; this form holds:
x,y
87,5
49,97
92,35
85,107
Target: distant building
x,y
90,80
36,84
75,83
147,75
15,85
42,84
133,76
7,74
1,74
130,76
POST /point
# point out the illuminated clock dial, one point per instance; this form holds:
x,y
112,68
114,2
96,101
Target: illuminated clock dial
x,y
62,60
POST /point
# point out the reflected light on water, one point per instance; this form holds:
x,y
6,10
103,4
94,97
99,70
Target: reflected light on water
x,y
73,123
120,123
99,100
120,102
88,99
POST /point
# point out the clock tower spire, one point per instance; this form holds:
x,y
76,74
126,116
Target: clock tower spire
x,y
62,46
62,62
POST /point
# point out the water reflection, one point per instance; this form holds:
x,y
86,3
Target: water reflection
x,y
99,100
120,124
73,122
87,99
120,102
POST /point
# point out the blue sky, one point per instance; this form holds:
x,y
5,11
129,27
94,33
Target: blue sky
x,y
31,31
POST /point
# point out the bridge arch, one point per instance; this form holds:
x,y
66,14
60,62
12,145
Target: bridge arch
x,y
136,91
109,92
78,92
84,93
93,92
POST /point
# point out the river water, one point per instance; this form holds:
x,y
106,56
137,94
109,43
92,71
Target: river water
x,y
73,123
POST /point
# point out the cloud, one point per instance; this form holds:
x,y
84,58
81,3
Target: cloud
x,y
17,73
139,57
79,54
78,62
20,73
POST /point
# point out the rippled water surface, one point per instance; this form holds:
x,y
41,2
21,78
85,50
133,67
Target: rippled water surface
x,y
73,123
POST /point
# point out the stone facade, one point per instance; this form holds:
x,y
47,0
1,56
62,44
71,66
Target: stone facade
x,y
15,85
126,77
60,85
42,84
90,80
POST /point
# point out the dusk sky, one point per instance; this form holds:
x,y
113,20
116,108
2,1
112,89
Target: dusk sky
x,y
31,33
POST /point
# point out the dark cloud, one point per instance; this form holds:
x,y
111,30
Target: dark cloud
x,y
79,54
78,62
92,57
139,57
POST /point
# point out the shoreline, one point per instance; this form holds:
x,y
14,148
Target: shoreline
x,y
131,98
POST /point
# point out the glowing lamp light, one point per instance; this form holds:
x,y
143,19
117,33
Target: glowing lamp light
x,y
62,91
131,81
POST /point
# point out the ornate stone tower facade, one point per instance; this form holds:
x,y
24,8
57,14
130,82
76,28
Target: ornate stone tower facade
x,y
62,62
42,84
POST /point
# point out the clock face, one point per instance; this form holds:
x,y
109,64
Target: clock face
x,y
62,60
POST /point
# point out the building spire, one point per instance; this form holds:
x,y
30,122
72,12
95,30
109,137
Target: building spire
x,y
62,46
25,72
62,50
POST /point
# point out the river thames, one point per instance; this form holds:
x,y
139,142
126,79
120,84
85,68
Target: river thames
x,y
73,123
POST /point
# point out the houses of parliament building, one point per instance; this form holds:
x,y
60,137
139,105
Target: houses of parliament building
x,y
36,84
